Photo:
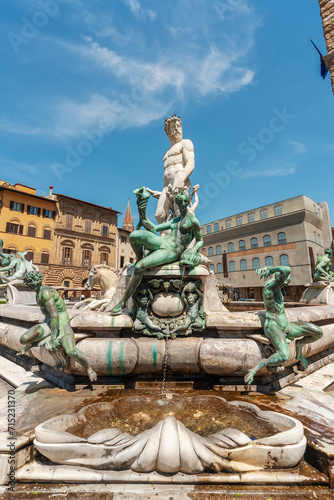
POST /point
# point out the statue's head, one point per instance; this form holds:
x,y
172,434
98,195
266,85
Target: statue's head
x,y
33,279
173,128
328,251
182,199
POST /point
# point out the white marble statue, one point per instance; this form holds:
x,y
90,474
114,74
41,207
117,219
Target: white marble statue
x,y
179,162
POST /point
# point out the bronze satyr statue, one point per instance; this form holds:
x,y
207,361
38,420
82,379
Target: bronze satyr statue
x,y
55,332
276,327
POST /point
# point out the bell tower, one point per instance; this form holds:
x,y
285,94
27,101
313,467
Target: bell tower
x,y
327,15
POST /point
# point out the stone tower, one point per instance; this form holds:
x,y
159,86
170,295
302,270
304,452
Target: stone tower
x,y
128,220
327,15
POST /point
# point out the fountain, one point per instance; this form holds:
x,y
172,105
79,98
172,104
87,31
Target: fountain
x,y
163,332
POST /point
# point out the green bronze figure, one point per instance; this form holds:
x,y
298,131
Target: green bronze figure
x,y
142,300
276,327
322,272
55,331
195,318
164,249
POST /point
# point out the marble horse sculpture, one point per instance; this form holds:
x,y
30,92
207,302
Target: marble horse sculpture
x,y
107,278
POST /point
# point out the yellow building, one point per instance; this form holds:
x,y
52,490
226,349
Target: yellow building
x,y
26,222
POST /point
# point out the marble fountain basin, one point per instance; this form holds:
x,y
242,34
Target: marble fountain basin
x,y
173,433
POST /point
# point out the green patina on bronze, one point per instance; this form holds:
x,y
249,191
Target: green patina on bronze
x,y
323,264
121,358
109,358
155,353
55,333
164,249
277,328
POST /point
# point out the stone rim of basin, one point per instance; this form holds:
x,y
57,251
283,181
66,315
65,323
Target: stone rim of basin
x,y
169,447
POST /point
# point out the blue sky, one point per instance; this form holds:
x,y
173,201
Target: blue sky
x,y
86,85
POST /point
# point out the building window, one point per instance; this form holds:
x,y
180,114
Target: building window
x,y
104,258
17,207
67,255
210,251
31,210
122,261
124,239
315,209
29,255
284,260
218,250
44,258
212,268
281,238
86,257
47,213
231,266
254,243
14,227
230,247
263,214
278,210
243,265
32,231
315,237
219,267
47,233
319,239
319,213
242,245
216,227
105,230
69,222
256,263
239,221
88,226
251,217
266,240
228,224
269,261
208,229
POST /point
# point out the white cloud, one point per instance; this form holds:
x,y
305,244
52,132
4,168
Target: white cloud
x,y
279,169
138,11
17,167
299,147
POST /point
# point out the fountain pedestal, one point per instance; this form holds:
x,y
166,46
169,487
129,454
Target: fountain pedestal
x,y
318,293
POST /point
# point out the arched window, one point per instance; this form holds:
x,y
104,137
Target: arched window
x,y
210,251
254,243
212,268
319,239
231,266
230,247
284,260
256,263
242,245
31,230
45,257
269,261
281,238
315,237
266,240
208,229
216,227
219,267
47,233
243,265
29,255
218,250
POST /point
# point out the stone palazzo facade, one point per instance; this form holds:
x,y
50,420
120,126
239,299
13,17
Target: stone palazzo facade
x,y
327,15
291,232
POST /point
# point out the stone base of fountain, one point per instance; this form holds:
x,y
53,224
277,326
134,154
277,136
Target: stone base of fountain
x,y
318,293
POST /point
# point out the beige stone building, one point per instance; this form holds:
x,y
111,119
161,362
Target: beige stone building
x,y
125,254
290,232
84,235
327,15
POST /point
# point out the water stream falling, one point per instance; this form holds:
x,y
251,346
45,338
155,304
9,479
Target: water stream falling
x,y
165,381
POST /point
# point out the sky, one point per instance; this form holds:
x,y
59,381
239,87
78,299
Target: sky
x,y
86,85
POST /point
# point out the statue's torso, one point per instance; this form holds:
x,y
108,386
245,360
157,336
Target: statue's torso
x,y
173,162
274,306
60,306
